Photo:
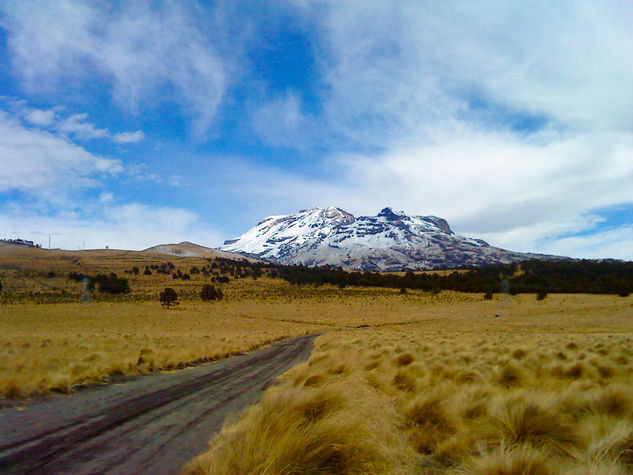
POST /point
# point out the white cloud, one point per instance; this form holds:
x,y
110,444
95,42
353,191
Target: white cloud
x,y
407,67
141,49
129,137
75,126
105,197
41,117
613,243
281,122
131,226
40,163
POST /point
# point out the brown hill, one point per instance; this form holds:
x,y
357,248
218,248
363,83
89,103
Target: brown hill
x,y
189,249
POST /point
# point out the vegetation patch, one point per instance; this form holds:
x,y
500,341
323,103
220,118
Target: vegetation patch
x,y
448,400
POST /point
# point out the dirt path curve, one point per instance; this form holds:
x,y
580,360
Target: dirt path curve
x,y
153,424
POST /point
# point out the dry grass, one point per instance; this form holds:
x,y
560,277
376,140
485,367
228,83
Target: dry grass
x,y
546,389
49,347
413,383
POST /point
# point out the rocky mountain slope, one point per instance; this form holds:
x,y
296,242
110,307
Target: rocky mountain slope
x,y
390,241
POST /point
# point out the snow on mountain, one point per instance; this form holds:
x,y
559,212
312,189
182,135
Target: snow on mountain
x,y
390,241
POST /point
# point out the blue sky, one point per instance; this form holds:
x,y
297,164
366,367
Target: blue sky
x,y
137,123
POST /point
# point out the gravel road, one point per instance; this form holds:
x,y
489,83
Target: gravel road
x,y
152,424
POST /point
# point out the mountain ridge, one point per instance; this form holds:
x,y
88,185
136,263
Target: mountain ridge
x,y
389,241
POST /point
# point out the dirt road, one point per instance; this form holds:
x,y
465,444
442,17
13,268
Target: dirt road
x,y
153,424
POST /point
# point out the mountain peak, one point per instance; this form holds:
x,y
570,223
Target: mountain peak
x,y
391,215
330,215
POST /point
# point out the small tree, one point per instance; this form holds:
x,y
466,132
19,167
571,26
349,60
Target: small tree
x,y
168,297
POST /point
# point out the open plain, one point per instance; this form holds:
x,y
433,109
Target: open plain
x,y
446,386
398,382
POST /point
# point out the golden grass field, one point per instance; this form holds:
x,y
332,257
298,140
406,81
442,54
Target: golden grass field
x,y
26,275
52,347
397,383
545,389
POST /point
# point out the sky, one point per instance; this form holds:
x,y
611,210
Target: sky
x,y
131,124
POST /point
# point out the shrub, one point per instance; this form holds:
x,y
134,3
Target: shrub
x,y
111,284
488,295
209,292
168,297
541,295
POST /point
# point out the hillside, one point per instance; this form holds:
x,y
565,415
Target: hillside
x,y
189,249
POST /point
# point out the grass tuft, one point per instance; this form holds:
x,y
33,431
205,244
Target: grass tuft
x,y
404,359
518,461
525,420
306,431
510,375
404,381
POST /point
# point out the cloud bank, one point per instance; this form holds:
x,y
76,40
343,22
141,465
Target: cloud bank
x,y
40,163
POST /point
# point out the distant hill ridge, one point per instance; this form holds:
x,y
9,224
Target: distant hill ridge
x,y
189,249
19,242
389,241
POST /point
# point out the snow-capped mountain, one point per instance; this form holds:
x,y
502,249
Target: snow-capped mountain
x,y
390,241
